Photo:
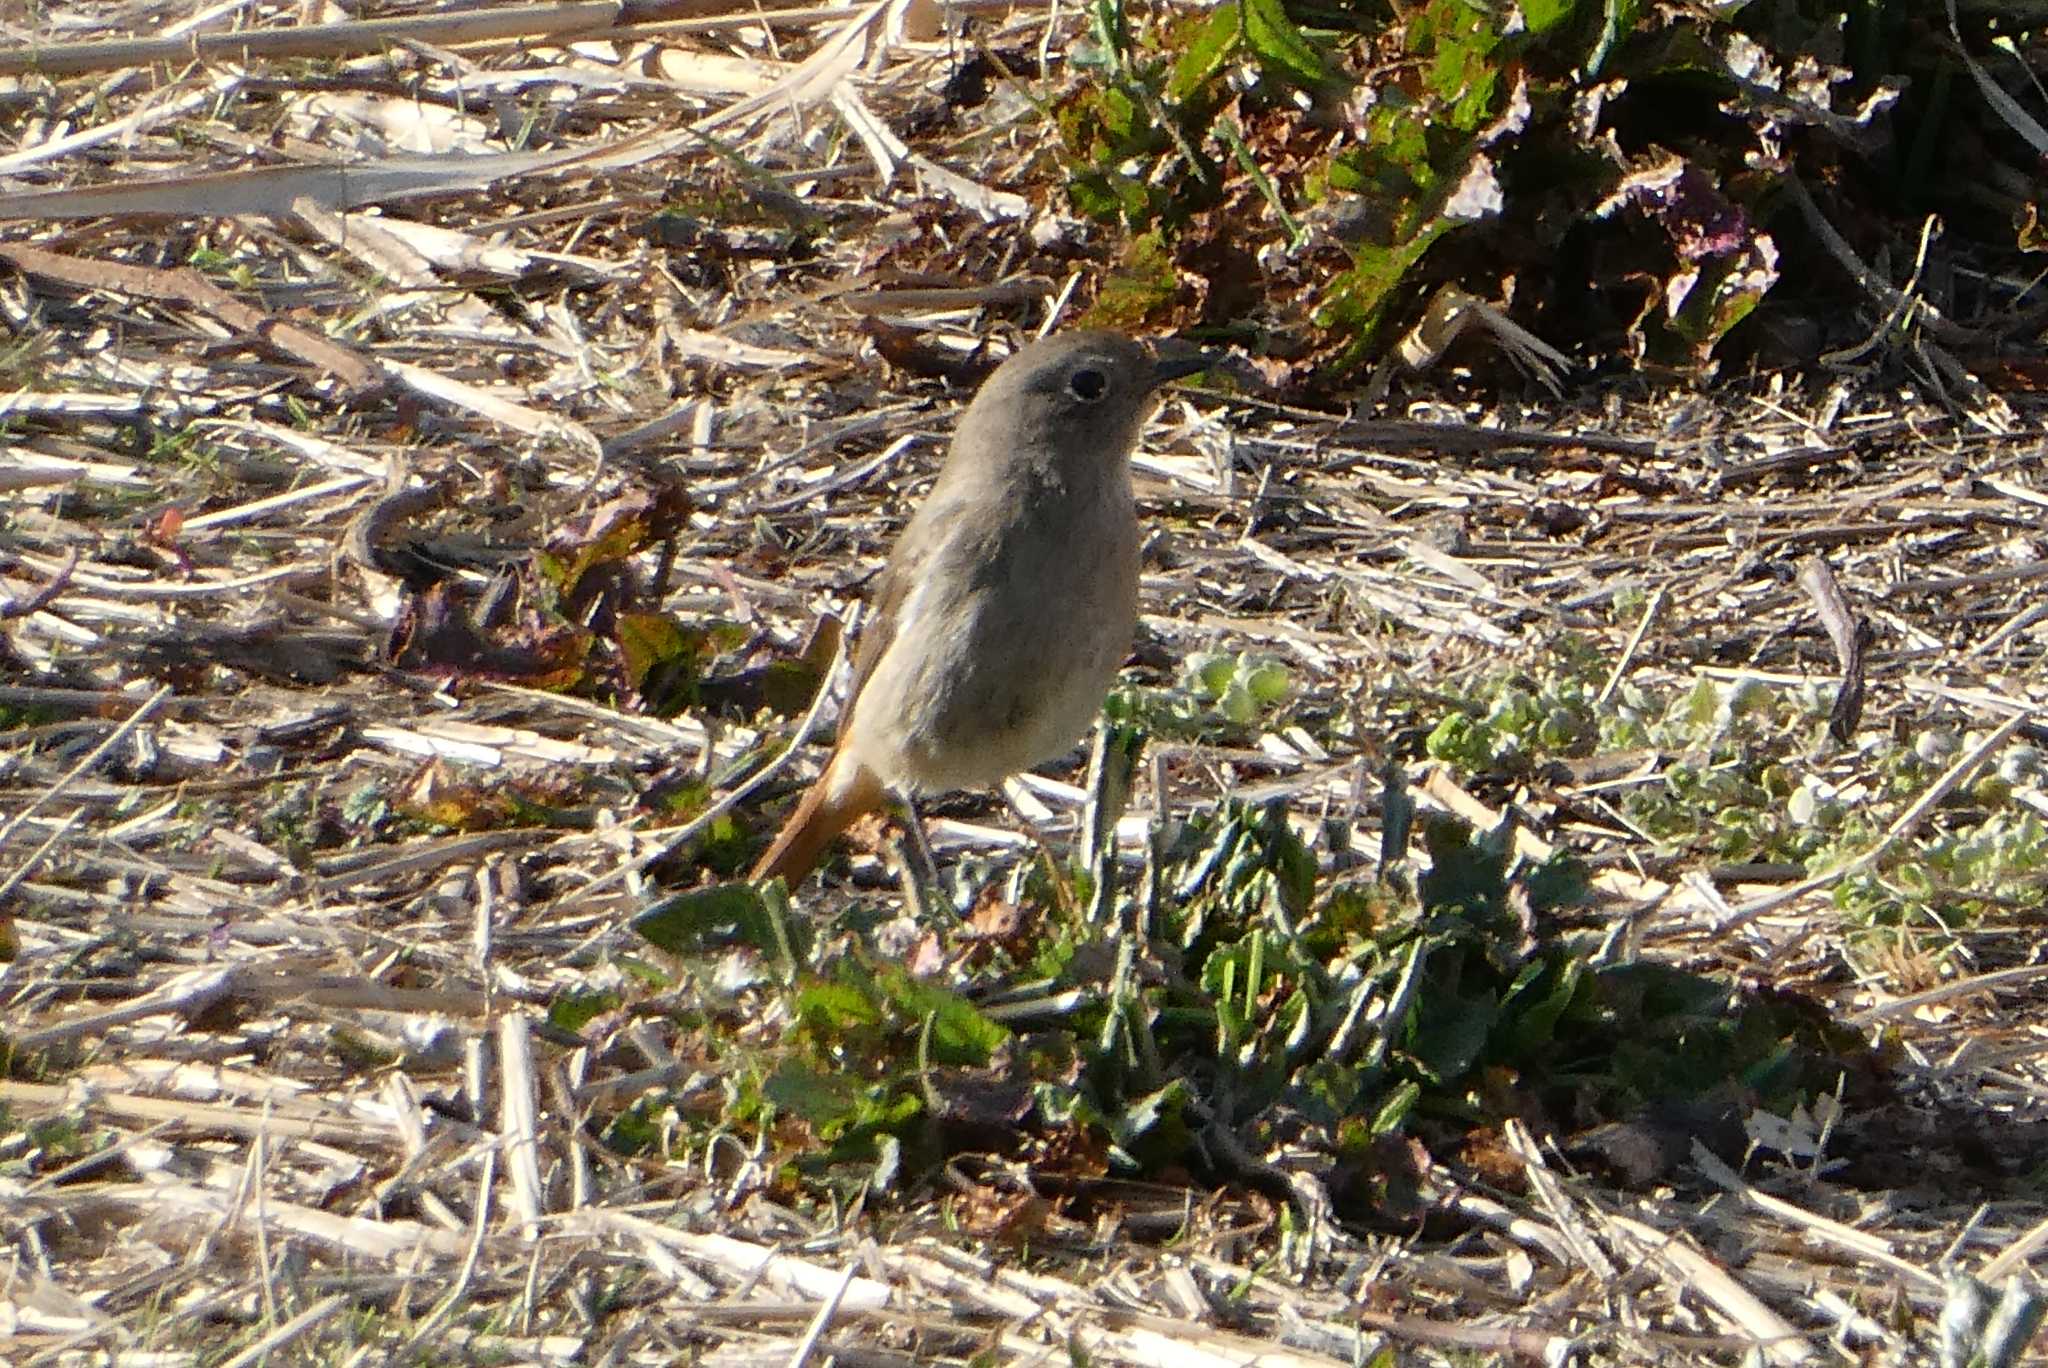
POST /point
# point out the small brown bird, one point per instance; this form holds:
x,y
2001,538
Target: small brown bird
x,y
1010,599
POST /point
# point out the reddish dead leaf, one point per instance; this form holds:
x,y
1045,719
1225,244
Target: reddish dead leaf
x,y
2022,374
870,833
1074,1151
907,350
1009,1217
162,533
438,796
979,1101
1487,1154
599,580
995,917
435,634
650,513
927,957
1384,1182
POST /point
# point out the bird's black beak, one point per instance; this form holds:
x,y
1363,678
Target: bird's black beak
x,y
1177,360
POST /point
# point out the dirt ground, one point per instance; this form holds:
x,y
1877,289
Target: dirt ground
x,y
340,509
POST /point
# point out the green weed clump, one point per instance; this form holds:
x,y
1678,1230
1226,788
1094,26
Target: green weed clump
x,y
1230,1002
1299,175
1220,696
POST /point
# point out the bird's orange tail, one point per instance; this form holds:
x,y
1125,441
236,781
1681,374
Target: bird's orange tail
x,y
845,792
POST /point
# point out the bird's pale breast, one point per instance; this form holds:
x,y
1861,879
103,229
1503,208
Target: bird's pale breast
x,y
999,669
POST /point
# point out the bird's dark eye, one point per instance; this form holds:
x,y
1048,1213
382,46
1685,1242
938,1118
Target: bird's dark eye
x,y
1088,384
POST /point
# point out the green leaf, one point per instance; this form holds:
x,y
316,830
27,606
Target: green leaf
x,y
1206,57
1268,683
1294,864
574,1010
1145,282
1213,673
617,542
1724,295
1395,1109
1112,32
1357,301
1545,15
1148,1111
645,973
1537,1000
1094,197
959,1033
1461,741
1558,882
818,1096
1120,116
1453,1036
831,1010
1702,703
1279,45
648,639
706,919
1468,869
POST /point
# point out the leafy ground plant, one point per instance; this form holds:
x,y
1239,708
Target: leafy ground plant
x,y
1617,170
1227,1006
